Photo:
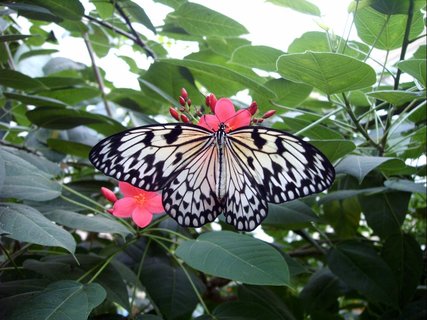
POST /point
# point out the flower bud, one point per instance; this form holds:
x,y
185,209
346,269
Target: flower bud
x,y
211,101
268,114
184,94
108,194
181,101
184,118
174,113
253,108
189,102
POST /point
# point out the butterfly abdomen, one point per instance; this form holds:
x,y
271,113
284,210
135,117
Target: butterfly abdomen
x,y
221,178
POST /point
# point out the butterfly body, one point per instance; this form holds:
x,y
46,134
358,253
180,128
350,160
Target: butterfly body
x,y
203,173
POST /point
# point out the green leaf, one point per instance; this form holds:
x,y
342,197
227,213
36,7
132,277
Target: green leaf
x,y
385,212
290,215
360,166
222,72
34,12
329,72
170,288
319,131
14,37
385,31
322,291
261,57
62,300
60,82
62,118
416,68
360,267
405,185
323,42
72,96
103,8
226,46
24,223
71,9
404,256
302,6
18,80
34,100
240,310
201,21
395,6
235,256
100,41
24,181
137,13
396,97
87,223
334,149
11,288
69,147
33,53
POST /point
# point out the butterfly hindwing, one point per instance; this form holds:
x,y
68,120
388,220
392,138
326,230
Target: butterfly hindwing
x,y
283,166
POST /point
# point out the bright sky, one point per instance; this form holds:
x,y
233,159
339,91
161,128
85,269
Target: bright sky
x,y
268,24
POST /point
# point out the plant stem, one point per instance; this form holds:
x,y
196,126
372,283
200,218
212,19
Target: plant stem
x,y
98,76
137,38
357,124
315,123
81,196
9,56
138,274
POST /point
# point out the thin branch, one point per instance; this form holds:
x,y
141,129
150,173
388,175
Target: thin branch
x,y
311,240
357,124
9,56
98,76
111,27
138,40
19,147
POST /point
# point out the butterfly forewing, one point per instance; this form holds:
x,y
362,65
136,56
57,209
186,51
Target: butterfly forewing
x,y
283,166
149,157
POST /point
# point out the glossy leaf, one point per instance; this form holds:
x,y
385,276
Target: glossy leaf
x,y
24,223
396,97
406,185
416,68
302,6
235,256
87,223
261,57
199,20
34,100
385,212
69,147
24,181
72,9
385,31
170,288
334,149
360,166
361,268
17,80
329,72
62,299
35,12
290,215
137,13
222,72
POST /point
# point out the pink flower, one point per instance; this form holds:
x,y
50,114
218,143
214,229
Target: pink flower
x,y
226,114
136,203
109,195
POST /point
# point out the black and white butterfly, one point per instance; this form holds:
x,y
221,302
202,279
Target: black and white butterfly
x,y
203,173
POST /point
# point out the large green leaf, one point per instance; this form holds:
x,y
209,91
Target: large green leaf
x,y
170,288
334,149
361,268
404,256
70,9
406,185
385,212
87,223
261,57
241,310
235,256
385,31
34,12
360,166
416,68
329,72
199,20
302,6
34,100
18,80
61,300
64,118
222,72
72,96
24,181
290,215
396,97
138,14
24,223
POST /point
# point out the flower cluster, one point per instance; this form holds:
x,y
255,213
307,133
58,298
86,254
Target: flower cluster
x,y
222,112
138,204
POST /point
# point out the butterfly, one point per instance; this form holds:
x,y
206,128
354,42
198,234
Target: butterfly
x,y
203,173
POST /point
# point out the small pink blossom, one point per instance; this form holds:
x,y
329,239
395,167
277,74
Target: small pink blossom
x,y
138,204
109,195
226,114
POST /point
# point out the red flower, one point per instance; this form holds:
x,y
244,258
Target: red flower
x,y
226,114
136,203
